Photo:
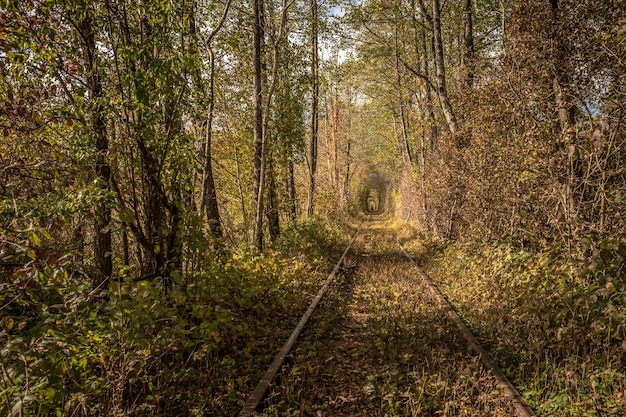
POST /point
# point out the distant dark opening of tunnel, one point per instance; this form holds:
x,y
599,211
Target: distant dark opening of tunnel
x,y
373,202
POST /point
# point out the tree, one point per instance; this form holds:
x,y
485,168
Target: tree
x,y
209,203
440,68
259,136
314,107
468,42
277,33
103,251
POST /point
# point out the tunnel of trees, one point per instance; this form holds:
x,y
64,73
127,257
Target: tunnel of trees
x,y
171,169
373,202
374,197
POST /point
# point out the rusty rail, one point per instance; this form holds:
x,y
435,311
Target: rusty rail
x,y
522,409
259,392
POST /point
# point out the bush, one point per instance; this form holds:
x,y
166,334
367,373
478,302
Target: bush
x,y
137,348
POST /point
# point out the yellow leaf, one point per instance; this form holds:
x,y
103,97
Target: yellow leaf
x,y
32,236
7,324
46,234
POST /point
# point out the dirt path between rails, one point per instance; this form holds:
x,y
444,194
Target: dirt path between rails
x,y
379,346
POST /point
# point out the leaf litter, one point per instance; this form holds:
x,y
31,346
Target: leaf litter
x,y
379,346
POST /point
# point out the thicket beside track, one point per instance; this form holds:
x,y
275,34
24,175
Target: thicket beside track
x,y
501,383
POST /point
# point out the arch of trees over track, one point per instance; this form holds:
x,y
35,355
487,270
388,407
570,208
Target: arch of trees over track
x,y
177,177
375,193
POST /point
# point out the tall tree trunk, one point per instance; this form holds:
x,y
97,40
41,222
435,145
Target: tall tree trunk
x,y
273,218
429,130
209,203
291,189
328,137
259,137
173,258
407,157
430,108
209,195
440,70
155,203
346,182
468,43
423,182
396,134
335,137
263,110
314,108
102,252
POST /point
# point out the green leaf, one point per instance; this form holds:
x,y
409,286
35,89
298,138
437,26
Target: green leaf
x,y
47,235
34,239
7,324
49,393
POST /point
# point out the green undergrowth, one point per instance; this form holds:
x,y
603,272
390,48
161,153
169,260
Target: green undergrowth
x,y
555,324
137,349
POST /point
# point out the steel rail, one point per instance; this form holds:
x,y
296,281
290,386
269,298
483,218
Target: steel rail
x,y
522,409
259,392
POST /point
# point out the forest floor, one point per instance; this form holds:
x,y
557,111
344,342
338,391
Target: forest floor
x,y
379,346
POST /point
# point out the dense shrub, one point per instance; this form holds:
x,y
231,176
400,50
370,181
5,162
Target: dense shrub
x,y
136,348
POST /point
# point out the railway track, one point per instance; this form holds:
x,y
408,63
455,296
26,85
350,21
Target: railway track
x,y
396,345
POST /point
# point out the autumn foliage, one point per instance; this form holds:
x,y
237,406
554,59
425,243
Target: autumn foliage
x,y
168,203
